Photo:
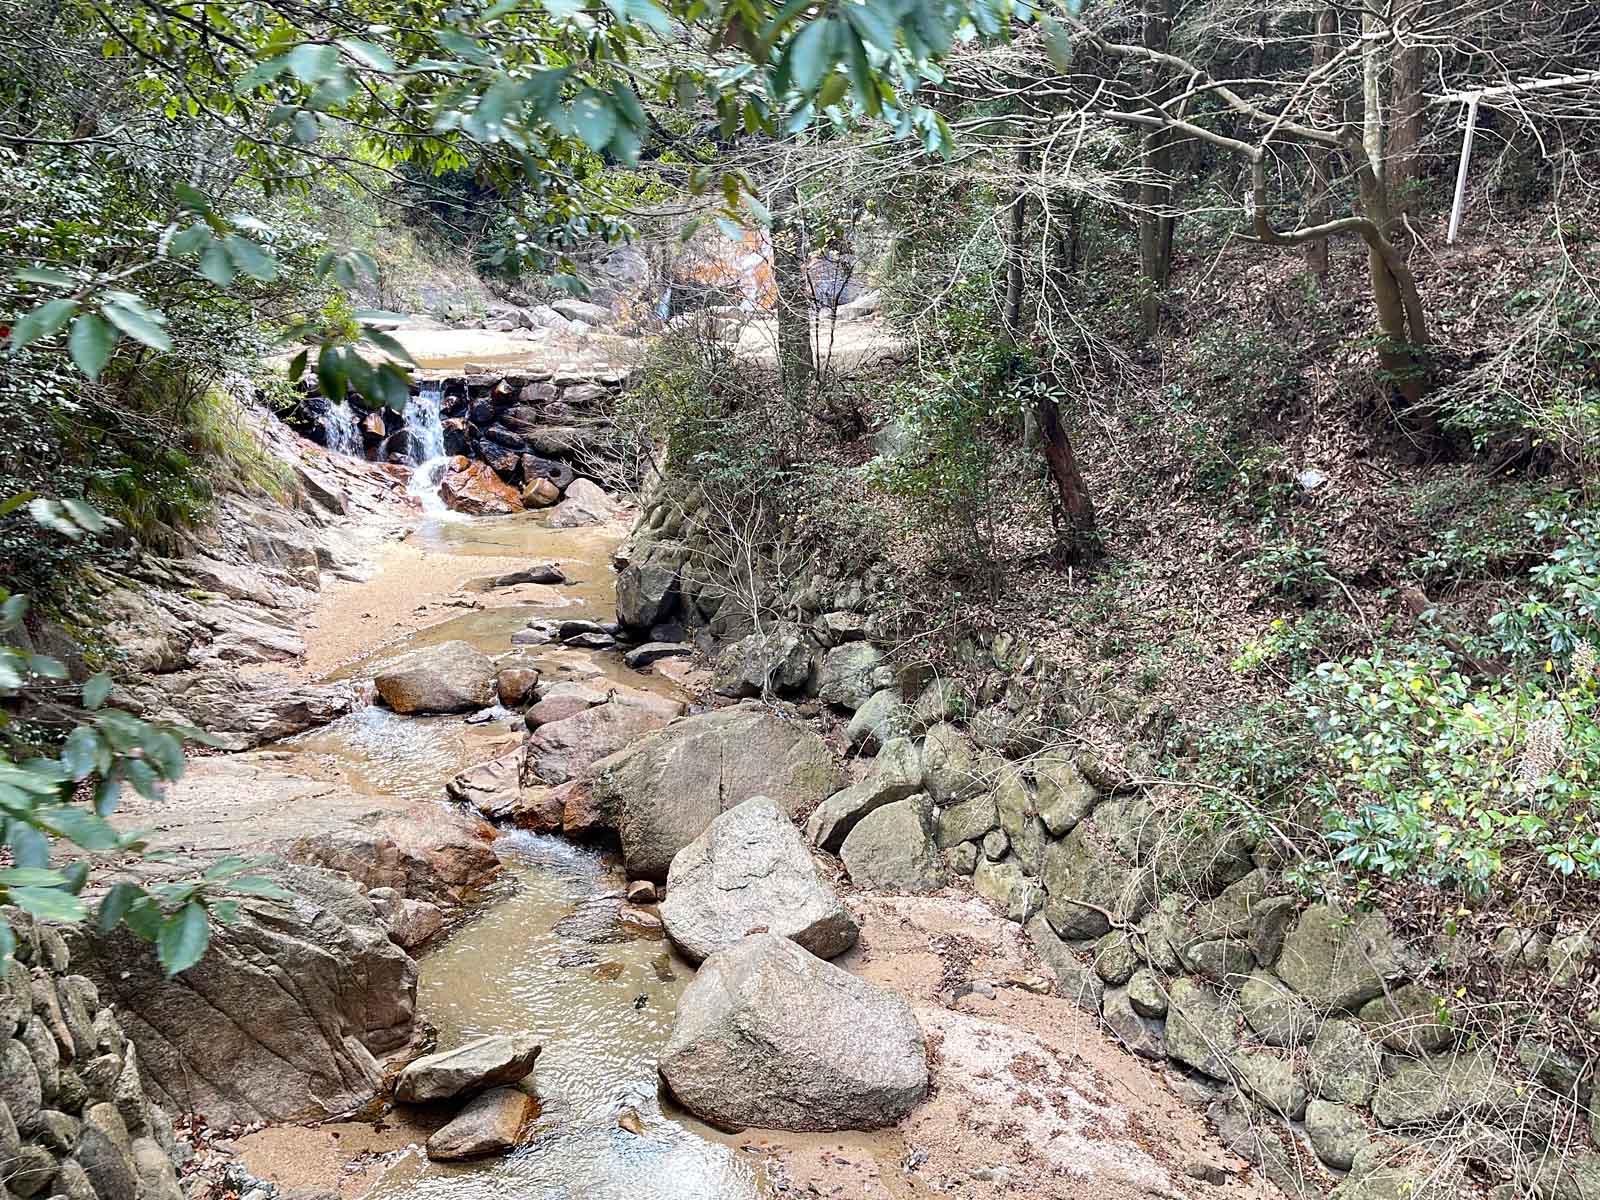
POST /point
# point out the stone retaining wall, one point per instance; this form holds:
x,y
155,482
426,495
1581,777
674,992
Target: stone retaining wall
x,y
74,1119
1322,1042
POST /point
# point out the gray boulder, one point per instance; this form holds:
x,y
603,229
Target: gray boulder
x,y
769,1035
287,1013
1337,1132
1063,796
851,673
778,660
585,502
582,310
475,1066
663,790
895,775
1434,1090
951,769
893,848
967,820
490,1124
565,749
449,677
1343,1063
881,719
1201,1030
646,593
1085,881
1277,1015
1339,960
750,870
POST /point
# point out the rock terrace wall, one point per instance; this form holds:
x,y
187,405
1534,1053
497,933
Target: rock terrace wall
x,y
74,1120
1311,1032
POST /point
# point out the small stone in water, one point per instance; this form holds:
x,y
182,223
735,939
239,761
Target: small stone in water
x,y
641,891
608,970
663,966
629,1120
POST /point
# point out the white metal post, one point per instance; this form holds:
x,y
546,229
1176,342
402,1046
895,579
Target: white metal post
x,y
1461,169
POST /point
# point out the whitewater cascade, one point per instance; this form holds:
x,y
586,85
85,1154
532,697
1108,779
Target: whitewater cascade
x,y
344,436
426,448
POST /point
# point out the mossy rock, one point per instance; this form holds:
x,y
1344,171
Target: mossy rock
x,y
1339,960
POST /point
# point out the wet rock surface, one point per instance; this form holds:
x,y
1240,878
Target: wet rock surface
x,y
486,1062
448,677
491,1123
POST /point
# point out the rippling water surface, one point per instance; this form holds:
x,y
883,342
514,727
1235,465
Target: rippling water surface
x,y
552,958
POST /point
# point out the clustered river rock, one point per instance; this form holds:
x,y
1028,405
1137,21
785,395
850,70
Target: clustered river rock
x,y
1308,1029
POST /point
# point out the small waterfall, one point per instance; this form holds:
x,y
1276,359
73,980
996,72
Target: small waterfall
x,y
344,435
425,429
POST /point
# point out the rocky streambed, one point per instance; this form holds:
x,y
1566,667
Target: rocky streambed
x,y
461,843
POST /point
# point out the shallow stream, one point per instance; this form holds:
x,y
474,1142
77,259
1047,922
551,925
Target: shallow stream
x,y
549,951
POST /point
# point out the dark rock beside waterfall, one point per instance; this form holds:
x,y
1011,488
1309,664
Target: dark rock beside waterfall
x,y
502,459
457,435
591,641
559,474
449,677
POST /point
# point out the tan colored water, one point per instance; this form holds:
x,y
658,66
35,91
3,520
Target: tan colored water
x,y
552,958
548,952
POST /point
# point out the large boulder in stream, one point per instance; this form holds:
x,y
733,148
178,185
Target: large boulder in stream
x,y
769,1035
562,750
439,856
750,870
284,1018
661,792
476,489
449,677
485,1062
585,503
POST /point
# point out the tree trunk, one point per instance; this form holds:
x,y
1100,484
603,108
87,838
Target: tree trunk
x,y
1155,223
796,362
1323,44
1405,125
1076,535
1016,250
